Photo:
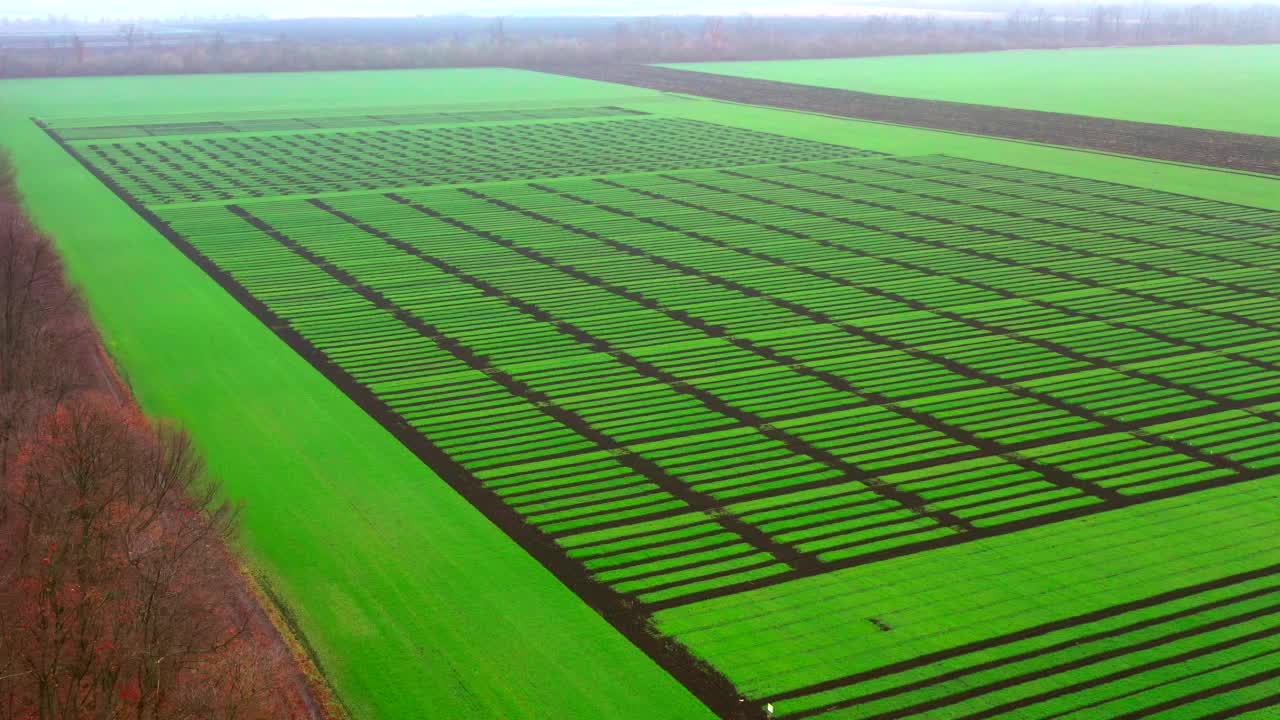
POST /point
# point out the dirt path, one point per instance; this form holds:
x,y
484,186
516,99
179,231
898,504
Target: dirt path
x,y
1234,151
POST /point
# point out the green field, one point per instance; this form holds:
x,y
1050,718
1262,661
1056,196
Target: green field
x,y
1213,87
877,422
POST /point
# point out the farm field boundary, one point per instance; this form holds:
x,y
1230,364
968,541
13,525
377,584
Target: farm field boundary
x,y
1214,87
389,573
414,600
104,129
1211,148
615,425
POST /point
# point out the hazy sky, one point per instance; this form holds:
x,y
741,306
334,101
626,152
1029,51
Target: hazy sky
x,y
94,9
345,8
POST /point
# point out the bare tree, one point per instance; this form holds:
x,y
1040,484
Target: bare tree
x,y
713,34
119,596
77,48
129,32
113,583
498,32
647,40
41,324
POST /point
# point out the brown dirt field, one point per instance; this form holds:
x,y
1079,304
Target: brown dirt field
x,y
1232,151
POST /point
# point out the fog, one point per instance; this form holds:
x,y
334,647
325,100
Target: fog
x,y
164,9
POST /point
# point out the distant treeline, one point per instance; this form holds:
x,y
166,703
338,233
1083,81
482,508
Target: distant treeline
x,y
333,44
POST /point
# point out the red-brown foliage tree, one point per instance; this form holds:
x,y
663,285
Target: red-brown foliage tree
x,y
112,573
119,597
42,326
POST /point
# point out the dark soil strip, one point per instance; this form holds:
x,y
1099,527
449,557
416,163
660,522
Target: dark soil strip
x,y
1060,274
704,681
794,444
943,180
980,646
1223,403
1111,501
1270,701
162,129
1215,148
922,709
636,463
1106,196
1202,694
901,497
989,447
1191,214
1066,645
1048,222
1131,671
695,500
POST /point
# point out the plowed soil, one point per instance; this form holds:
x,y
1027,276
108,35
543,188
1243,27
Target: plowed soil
x,y
1233,151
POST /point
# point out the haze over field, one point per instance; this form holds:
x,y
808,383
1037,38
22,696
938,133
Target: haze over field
x,y
405,8
408,8
639,359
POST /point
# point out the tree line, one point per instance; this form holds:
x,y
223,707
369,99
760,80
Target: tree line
x,y
119,594
251,47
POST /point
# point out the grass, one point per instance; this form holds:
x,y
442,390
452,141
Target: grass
x,y
1071,346
1212,87
946,599
412,599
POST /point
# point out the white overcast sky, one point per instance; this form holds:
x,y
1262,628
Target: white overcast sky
x,y
94,9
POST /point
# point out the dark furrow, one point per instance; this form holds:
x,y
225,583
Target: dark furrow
x,y
979,534
1203,693
1085,193
707,683
694,499
1128,672
1090,282
960,278
1027,701
988,446
1239,289
1121,367
797,446
1236,151
979,646
614,567
1046,650
1269,701
1102,213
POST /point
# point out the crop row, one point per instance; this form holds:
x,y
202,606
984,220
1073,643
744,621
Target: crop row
x,y
212,168
109,130
1190,652
702,379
